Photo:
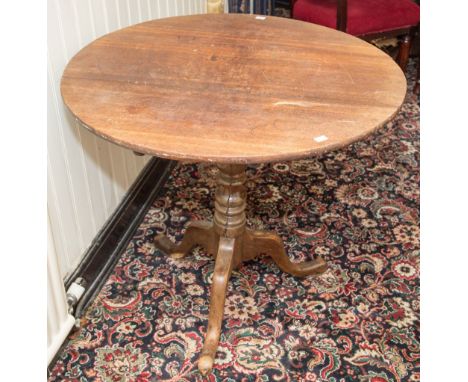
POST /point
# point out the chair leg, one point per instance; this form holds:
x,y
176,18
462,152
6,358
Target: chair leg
x,y
416,85
404,50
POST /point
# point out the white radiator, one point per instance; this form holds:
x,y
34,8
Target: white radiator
x,y
59,321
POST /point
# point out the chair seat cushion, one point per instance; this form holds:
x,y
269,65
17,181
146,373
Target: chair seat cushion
x,y
364,16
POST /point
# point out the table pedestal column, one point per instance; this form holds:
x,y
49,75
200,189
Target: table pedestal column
x,y
230,242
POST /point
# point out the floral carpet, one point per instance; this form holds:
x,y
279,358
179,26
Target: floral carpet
x,y
357,207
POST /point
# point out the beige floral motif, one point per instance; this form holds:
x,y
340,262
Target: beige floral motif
x,y
407,189
359,213
166,323
272,194
224,355
367,193
119,364
195,290
307,331
371,295
362,307
239,307
253,353
126,328
340,156
331,182
316,190
187,278
369,223
344,320
406,233
334,279
281,167
405,270
191,205
147,248
322,251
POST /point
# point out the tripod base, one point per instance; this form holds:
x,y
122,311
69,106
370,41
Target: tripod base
x,y
229,241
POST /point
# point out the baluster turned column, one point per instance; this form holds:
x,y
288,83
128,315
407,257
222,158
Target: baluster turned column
x,y
230,201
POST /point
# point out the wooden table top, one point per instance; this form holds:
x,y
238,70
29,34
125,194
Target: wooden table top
x,y
232,88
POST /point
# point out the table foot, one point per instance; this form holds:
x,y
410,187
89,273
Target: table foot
x,y
197,233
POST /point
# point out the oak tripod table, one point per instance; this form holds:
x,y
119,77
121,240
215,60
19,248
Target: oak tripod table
x,y
232,90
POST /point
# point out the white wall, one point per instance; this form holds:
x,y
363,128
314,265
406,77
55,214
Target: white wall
x,y
87,177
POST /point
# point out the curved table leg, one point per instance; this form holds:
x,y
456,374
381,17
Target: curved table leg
x,y
222,272
197,233
258,242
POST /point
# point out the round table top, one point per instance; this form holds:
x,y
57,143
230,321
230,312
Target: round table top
x,y
232,88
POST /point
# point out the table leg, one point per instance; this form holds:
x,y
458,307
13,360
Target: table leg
x,y
221,275
197,233
228,239
263,242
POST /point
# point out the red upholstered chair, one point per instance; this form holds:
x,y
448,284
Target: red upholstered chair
x,y
367,19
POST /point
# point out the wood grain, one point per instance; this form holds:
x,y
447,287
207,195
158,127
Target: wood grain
x,y
230,88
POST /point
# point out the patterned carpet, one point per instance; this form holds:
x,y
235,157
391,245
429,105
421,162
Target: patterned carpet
x,y
357,207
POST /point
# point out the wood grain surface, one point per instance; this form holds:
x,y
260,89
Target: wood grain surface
x,y
232,88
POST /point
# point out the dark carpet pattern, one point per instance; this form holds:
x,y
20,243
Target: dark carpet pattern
x,y
357,207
